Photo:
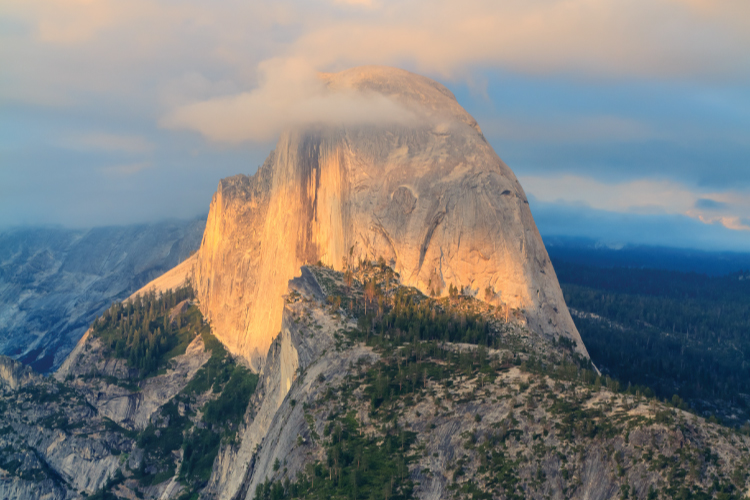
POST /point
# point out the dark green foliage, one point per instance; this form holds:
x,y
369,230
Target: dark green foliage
x,y
229,408
160,442
115,427
217,370
357,467
674,332
496,469
48,393
579,423
140,331
105,492
413,314
221,418
409,331
200,451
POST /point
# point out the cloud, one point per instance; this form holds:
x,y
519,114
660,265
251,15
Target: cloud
x,y
225,68
99,141
708,204
290,94
358,3
127,169
607,38
115,46
599,39
644,197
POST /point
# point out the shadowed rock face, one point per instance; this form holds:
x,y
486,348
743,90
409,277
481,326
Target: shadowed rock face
x,y
429,195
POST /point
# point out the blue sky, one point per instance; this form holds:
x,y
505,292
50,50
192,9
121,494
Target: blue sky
x,y
626,122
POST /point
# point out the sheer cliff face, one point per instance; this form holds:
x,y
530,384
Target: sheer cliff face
x,y
429,195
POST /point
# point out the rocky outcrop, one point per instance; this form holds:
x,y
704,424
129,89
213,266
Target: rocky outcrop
x,y
429,196
88,370
83,430
54,282
15,487
53,444
14,374
173,279
276,417
228,267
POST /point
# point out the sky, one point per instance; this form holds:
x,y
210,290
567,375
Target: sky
x,y
625,121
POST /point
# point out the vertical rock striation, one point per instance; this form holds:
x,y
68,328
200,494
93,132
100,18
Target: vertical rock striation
x,y
429,195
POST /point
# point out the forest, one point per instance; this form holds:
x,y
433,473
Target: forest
x,y
148,331
143,331
683,334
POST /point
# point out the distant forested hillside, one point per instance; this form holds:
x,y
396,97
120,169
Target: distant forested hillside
x,y
680,334
591,253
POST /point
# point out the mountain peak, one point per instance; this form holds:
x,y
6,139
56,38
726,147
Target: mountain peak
x,y
424,96
430,196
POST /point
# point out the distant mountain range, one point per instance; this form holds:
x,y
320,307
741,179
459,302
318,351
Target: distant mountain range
x,y
591,253
55,281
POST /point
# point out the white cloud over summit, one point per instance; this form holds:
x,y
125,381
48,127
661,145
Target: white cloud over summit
x,y
290,93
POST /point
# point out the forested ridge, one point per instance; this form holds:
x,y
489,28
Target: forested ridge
x,y
148,332
449,363
684,334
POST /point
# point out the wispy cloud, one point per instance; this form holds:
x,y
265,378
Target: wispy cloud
x,y
100,141
731,209
230,70
291,93
109,45
127,169
663,38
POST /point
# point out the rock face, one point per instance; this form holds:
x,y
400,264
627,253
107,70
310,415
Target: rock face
x,y
516,434
133,410
273,421
429,196
54,282
14,374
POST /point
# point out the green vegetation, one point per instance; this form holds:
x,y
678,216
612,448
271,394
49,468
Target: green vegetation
x,y
414,314
416,337
233,385
678,333
142,332
148,333
221,418
357,466
217,370
452,351
158,442
411,332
